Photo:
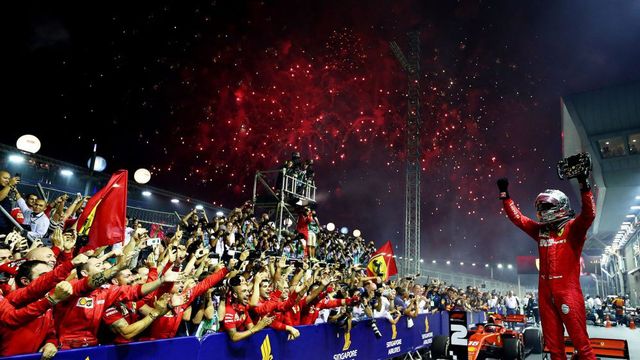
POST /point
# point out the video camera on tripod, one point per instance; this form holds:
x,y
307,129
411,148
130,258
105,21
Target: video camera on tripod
x,y
574,166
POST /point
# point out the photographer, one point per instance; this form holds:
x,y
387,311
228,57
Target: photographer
x,y
370,302
7,185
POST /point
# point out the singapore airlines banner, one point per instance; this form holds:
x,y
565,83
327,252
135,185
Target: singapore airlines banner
x,y
324,341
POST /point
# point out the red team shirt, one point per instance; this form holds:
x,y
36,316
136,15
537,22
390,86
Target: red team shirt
x,y
78,318
167,326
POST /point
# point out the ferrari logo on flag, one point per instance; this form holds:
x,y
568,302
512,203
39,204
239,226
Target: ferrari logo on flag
x,y
84,230
103,218
382,263
265,349
378,266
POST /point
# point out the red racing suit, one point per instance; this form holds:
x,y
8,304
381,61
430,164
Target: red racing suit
x,y
561,300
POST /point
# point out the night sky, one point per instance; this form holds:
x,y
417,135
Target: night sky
x,y
204,93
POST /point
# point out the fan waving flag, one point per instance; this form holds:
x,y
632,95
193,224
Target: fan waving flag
x,y
103,219
382,263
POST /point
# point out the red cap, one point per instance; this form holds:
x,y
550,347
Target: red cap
x,y
17,214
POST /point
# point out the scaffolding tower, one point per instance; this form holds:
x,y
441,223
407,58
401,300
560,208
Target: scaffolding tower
x,y
279,193
411,66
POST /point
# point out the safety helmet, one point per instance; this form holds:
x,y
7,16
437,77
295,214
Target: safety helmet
x,y
553,206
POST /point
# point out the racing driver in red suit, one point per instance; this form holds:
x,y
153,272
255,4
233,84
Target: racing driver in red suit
x,y
560,239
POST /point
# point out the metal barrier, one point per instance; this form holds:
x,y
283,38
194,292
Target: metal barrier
x,y
464,280
145,216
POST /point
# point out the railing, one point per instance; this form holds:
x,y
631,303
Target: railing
x,y
464,280
290,186
146,216
36,169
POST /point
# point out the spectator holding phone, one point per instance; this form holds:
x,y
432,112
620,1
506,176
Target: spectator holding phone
x,y
7,185
35,219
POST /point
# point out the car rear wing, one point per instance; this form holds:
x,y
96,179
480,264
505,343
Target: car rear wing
x,y
515,318
608,348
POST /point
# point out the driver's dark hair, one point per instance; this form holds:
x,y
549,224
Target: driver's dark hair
x,y
25,270
235,281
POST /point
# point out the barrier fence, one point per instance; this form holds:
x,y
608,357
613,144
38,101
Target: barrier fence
x,y
323,341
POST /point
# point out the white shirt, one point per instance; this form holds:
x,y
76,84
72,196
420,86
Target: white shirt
x,y
598,302
384,309
493,302
590,303
39,224
421,306
511,302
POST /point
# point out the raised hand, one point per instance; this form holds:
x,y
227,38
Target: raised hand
x,y
62,291
161,304
151,261
171,276
244,255
282,262
265,321
79,259
57,239
503,187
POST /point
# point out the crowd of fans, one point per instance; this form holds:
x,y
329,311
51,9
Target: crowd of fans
x,y
230,274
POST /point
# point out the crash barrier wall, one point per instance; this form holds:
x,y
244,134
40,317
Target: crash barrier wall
x,y
323,341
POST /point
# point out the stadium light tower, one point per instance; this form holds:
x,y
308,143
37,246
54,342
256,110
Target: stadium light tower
x,y
411,67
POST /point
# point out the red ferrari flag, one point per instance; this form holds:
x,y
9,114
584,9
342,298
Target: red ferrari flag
x,y
103,219
382,263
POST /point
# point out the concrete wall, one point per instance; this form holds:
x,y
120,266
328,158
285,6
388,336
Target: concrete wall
x,y
632,277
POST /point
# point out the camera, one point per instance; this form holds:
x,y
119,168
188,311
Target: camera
x,y
153,241
574,166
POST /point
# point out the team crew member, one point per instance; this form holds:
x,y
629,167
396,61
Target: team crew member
x,y
311,310
123,318
304,219
560,240
237,322
167,325
78,320
262,304
36,331
45,280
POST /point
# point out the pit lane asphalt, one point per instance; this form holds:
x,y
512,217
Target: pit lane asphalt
x,y
618,332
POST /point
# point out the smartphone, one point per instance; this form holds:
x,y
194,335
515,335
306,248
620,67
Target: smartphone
x,y
153,241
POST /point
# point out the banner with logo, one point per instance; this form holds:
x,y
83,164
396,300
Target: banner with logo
x,y
324,341
170,349
329,342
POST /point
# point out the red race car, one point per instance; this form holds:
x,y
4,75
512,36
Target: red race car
x,y
504,338
498,338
